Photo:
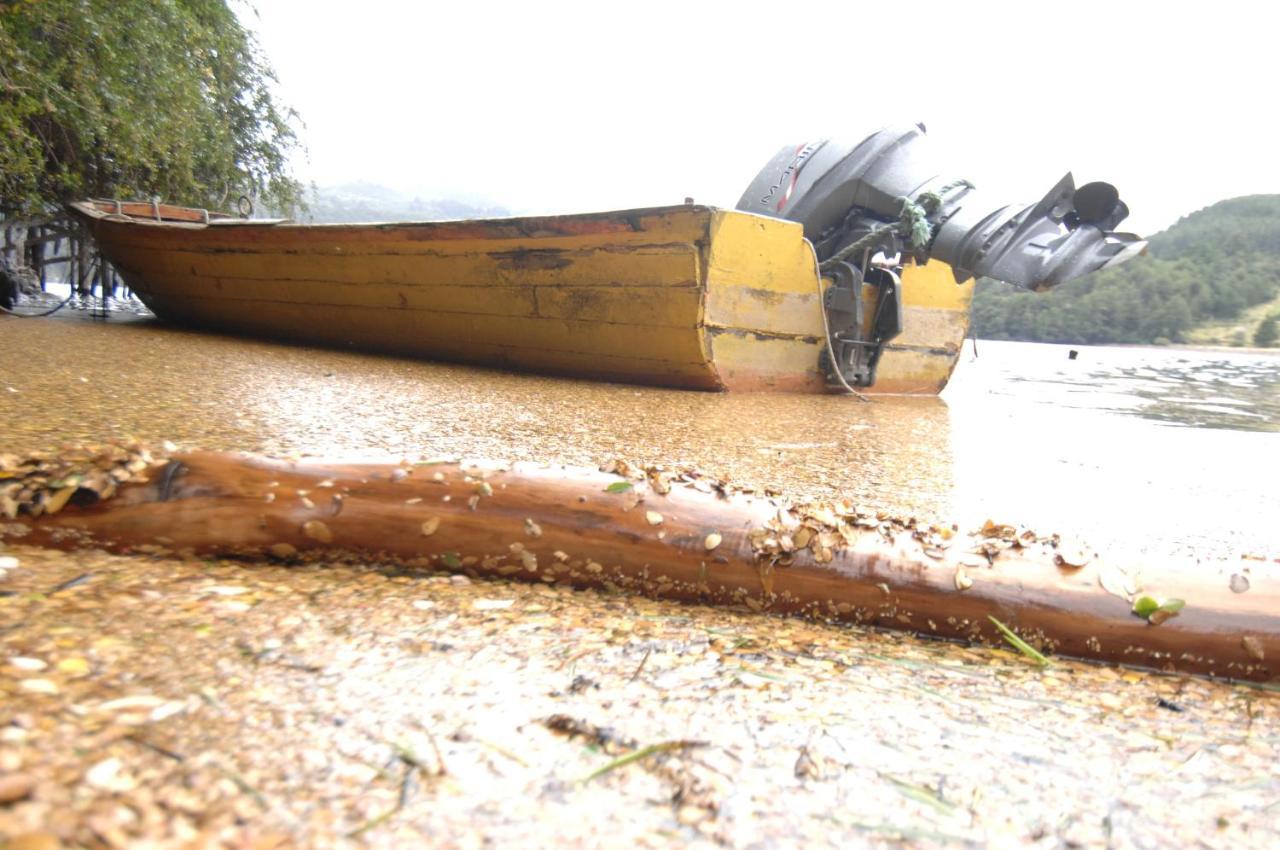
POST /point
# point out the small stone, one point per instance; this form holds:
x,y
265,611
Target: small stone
x,y
107,775
531,528
27,665
7,562
130,703
1253,647
653,517
459,580
712,541
226,590
74,666
317,530
40,840
492,604
15,787
282,550
963,582
40,686
1239,583
429,526
691,815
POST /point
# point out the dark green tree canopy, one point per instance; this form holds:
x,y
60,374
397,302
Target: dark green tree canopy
x,y
135,98
1211,265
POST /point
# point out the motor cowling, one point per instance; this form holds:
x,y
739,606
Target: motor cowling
x,y
887,193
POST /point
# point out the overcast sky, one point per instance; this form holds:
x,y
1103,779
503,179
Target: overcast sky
x,y
548,106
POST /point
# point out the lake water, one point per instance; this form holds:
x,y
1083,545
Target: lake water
x,y
1156,451
1143,448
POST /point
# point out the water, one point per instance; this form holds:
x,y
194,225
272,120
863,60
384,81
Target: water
x,y
1149,450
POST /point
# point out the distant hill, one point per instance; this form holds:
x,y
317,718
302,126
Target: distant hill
x,y
1217,269
362,202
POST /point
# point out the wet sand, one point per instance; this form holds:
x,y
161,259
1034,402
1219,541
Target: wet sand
x,y
194,703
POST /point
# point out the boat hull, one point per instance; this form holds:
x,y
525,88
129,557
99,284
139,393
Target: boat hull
x,y
688,296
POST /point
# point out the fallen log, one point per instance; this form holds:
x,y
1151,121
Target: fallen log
x,y
661,534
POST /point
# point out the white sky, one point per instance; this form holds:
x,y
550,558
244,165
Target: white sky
x,y
550,106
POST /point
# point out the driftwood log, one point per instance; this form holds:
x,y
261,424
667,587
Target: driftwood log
x,y
661,534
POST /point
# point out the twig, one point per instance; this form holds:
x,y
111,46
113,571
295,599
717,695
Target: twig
x,y
155,748
243,785
441,769
371,823
501,750
70,583
1020,644
640,666
409,757
642,753
406,780
573,659
920,794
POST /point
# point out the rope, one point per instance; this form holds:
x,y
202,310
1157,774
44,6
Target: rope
x,y
94,267
866,243
64,303
913,225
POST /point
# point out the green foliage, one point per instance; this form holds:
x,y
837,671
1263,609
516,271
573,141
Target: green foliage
x,y
1212,264
134,98
1267,333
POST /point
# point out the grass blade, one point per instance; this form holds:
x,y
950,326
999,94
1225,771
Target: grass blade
x,y
643,753
1020,644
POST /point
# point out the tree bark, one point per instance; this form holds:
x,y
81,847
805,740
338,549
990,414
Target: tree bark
x,y
684,539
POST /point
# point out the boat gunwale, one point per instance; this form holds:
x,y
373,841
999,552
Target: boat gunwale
x,y
91,209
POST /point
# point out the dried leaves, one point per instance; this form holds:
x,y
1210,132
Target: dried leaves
x,y
42,483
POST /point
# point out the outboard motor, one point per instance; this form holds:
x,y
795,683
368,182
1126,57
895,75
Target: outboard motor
x,y
867,205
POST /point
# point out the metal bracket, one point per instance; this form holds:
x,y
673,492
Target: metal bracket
x,y
857,344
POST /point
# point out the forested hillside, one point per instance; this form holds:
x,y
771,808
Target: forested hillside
x,y
1210,266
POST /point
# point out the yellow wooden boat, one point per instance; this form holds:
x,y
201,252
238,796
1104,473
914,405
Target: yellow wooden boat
x,y
685,296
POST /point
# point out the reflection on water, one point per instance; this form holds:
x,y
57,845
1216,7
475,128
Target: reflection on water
x,y
1218,389
221,392
1023,435
1143,449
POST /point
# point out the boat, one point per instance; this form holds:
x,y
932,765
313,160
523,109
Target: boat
x,y
683,296
845,264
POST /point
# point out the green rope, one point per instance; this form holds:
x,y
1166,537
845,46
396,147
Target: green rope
x,y
867,242
951,187
913,224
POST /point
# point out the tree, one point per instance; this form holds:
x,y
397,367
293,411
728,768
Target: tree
x,y
135,98
1267,333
